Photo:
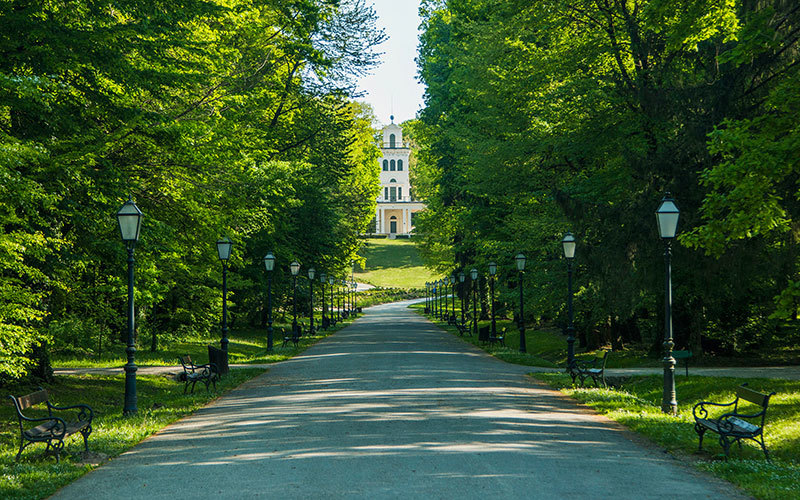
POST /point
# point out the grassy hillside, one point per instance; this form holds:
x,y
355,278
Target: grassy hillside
x,y
392,263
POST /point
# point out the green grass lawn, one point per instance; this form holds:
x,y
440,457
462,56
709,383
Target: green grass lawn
x,y
160,402
246,346
637,405
392,264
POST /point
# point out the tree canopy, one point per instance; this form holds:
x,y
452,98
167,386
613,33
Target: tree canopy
x,y
578,115
218,117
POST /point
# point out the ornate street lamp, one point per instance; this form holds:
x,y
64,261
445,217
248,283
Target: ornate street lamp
x,y
427,294
453,308
224,252
129,218
461,278
332,318
445,281
473,273
667,217
520,260
311,273
323,278
492,272
295,268
568,244
269,265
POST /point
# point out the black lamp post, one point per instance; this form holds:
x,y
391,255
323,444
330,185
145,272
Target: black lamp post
x,y
224,251
492,272
461,278
311,273
473,273
520,259
295,268
445,282
331,317
269,264
339,300
667,216
427,293
323,279
435,298
129,218
568,244
453,289
355,296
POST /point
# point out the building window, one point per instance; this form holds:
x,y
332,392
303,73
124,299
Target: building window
x,y
391,140
400,165
399,193
386,193
385,165
392,165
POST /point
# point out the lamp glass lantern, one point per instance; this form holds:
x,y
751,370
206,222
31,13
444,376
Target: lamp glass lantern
x,y
311,273
224,246
295,267
473,273
129,218
492,268
461,277
568,243
323,278
269,262
520,260
667,216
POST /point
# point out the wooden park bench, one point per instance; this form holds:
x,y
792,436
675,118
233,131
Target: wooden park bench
x,y
192,373
464,328
219,358
295,336
595,369
51,429
684,355
734,425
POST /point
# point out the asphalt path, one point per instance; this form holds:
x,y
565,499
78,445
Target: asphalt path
x,y
393,407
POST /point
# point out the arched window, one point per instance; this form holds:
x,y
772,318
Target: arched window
x,y
385,165
392,165
391,140
400,165
393,180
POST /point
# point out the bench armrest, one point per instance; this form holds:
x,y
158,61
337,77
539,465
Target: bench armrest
x,y
84,414
60,427
700,411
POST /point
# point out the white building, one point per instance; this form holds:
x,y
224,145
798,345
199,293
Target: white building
x,y
394,214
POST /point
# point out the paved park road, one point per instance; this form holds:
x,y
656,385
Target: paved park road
x,y
392,407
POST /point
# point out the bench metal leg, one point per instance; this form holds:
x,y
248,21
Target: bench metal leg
x,y
700,430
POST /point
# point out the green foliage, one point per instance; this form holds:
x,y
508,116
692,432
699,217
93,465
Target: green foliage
x,y
219,118
552,116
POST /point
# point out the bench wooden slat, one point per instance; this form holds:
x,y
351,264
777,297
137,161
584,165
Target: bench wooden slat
x,y
32,399
752,396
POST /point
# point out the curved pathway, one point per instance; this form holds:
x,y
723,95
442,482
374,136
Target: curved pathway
x,y
392,407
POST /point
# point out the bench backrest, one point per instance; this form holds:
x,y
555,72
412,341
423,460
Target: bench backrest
x,y
752,396
186,361
681,354
34,398
605,358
